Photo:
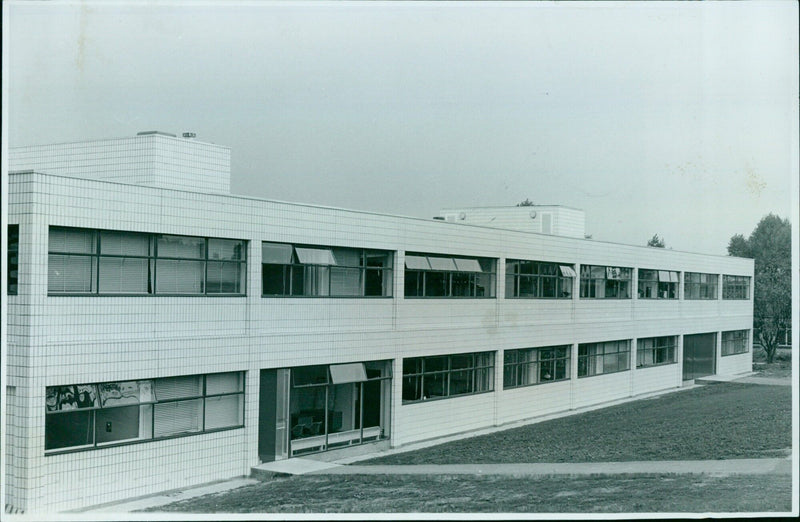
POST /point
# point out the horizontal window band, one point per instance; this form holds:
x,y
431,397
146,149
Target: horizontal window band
x,y
448,297
604,373
286,296
53,453
567,298
106,294
549,381
431,399
302,265
607,298
323,384
655,364
143,403
439,372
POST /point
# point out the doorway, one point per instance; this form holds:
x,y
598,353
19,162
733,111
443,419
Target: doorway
x,y
699,355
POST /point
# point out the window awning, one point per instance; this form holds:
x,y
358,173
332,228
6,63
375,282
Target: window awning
x,y
567,271
667,276
468,265
442,263
344,373
315,256
276,253
417,263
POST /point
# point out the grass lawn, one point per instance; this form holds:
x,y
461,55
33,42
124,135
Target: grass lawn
x,y
496,494
717,421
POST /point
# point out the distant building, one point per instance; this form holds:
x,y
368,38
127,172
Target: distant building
x,y
163,333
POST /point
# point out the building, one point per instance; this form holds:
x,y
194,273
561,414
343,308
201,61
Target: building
x,y
163,333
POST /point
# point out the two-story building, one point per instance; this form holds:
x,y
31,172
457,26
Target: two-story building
x,y
163,332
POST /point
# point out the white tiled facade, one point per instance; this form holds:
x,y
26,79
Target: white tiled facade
x,y
63,340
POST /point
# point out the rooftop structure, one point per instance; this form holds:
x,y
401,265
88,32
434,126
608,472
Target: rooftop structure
x,y
556,220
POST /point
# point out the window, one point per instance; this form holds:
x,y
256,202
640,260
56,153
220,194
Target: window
x,y
735,287
338,405
735,341
700,286
605,282
535,365
85,416
653,351
443,276
658,284
607,357
12,276
290,270
105,262
536,279
441,376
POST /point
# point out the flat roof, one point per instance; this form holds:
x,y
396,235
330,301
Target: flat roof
x,y
437,222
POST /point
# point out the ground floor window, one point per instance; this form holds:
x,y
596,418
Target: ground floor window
x,y
83,416
443,376
607,357
734,342
535,365
338,405
653,351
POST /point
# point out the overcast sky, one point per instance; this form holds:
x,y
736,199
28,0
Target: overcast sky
x,y
676,119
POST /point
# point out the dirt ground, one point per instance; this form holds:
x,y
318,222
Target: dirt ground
x,y
781,366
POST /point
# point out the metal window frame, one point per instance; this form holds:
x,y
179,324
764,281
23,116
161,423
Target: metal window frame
x,y
203,396
473,368
153,259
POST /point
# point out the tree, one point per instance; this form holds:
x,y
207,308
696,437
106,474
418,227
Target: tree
x,y
770,247
526,203
739,247
656,241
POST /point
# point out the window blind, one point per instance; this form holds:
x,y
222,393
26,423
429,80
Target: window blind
x,y
181,246
173,418
124,243
178,387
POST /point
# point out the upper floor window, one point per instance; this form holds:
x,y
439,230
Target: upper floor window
x,y
535,365
85,416
12,275
607,357
86,261
652,351
429,275
735,341
536,279
606,282
658,284
294,270
697,285
735,287
441,376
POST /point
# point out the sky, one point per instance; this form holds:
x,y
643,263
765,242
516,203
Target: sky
x,y
653,117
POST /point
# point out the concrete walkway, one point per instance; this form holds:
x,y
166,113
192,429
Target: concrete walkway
x,y
712,467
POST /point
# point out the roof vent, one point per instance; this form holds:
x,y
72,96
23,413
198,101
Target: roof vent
x,y
189,135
